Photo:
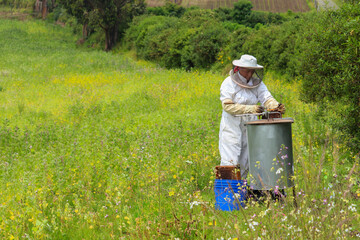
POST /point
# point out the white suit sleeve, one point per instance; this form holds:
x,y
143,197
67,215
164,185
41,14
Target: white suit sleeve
x,y
263,94
226,89
234,108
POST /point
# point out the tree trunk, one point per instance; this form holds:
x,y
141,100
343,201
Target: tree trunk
x,y
44,9
107,40
111,37
37,6
85,30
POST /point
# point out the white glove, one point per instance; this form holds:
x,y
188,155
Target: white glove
x,y
271,104
234,108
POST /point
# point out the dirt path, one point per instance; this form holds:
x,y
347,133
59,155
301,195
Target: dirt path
x,y
325,4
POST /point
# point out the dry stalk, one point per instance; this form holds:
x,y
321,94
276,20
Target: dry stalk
x,y
322,159
349,176
336,159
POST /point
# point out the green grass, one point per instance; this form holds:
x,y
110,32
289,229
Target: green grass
x,y
97,145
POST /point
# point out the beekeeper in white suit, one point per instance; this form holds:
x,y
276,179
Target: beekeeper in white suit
x,y
240,94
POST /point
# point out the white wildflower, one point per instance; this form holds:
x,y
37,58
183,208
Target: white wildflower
x,y
263,213
352,207
279,171
194,203
252,224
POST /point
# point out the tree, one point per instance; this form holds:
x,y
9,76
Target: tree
x,y
112,16
241,11
80,10
44,9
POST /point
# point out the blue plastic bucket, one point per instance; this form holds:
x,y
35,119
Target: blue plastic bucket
x,y
229,194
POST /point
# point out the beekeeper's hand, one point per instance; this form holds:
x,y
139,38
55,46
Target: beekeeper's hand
x,y
271,104
234,108
281,108
258,109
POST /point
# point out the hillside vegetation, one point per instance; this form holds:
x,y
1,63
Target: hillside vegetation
x,y
259,5
96,145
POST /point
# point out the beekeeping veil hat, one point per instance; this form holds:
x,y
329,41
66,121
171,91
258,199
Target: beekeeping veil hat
x,y
249,62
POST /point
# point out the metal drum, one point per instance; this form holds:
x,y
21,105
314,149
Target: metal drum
x,y
270,154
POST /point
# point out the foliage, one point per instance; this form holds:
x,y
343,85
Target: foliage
x,y
194,40
153,42
242,14
263,18
259,44
185,44
78,9
204,46
241,11
234,49
231,26
104,147
18,3
142,30
169,9
223,14
278,46
112,16
331,66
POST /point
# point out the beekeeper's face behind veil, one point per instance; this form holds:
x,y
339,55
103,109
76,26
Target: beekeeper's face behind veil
x,y
246,69
247,73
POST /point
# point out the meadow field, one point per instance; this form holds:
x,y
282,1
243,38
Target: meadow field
x,y
259,5
98,145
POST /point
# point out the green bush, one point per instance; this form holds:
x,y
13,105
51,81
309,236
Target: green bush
x,y
241,11
331,67
284,55
178,42
194,40
277,47
231,26
169,9
204,46
156,44
223,14
264,18
237,39
197,17
260,42
137,31
150,36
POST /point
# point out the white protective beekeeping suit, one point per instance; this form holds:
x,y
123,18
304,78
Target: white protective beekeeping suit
x,y
240,97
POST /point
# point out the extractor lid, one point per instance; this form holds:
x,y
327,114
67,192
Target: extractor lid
x,y
271,121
